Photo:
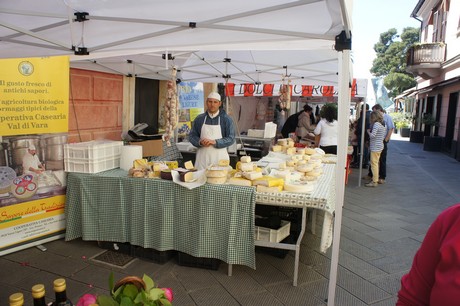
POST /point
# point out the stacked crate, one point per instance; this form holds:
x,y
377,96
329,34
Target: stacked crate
x,y
92,156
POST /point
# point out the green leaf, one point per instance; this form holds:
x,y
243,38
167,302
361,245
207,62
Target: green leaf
x,y
111,281
104,300
126,301
130,291
165,302
149,283
156,293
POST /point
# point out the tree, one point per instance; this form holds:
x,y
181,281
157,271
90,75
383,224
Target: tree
x,y
390,61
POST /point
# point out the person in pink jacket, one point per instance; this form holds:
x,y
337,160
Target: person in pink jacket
x,y
434,278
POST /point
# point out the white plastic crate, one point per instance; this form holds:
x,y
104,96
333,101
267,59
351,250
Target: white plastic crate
x,y
93,150
91,166
272,235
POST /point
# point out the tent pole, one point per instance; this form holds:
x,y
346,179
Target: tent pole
x,y
342,146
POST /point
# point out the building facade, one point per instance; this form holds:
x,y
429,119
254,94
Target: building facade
x,y
435,62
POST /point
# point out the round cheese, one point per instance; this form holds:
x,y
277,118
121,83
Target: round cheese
x,y
305,168
310,151
299,186
217,172
216,180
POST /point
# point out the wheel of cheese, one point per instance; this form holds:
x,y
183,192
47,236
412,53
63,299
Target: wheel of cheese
x,y
24,186
239,181
217,172
299,186
166,174
216,180
7,175
314,173
305,168
320,151
310,151
282,142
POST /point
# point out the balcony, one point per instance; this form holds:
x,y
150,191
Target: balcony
x,y
425,59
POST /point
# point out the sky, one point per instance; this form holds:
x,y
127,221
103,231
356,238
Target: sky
x,y
371,18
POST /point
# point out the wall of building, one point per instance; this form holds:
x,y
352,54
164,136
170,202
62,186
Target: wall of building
x,y
95,106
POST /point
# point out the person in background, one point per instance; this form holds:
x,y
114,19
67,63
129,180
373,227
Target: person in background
x,y
376,133
354,143
383,157
31,163
359,133
304,125
212,132
327,128
434,276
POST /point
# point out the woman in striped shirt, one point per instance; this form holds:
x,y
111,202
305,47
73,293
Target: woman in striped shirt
x,y
376,135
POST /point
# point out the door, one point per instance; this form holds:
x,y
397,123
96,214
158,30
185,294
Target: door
x,y
450,124
146,104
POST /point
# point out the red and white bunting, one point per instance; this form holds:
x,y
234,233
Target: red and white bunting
x,y
358,89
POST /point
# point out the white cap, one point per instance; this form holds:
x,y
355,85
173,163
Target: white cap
x,y
32,147
214,95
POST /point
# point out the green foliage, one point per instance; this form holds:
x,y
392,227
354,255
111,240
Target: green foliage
x,y
129,295
401,120
390,59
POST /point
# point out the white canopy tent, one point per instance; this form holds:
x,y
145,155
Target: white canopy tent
x,y
209,41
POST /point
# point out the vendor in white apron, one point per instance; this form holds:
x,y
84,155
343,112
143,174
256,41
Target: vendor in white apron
x,y
212,132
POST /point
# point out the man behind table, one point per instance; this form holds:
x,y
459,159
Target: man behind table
x,y
212,132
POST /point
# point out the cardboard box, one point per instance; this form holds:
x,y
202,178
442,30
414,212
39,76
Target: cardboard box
x,y
150,147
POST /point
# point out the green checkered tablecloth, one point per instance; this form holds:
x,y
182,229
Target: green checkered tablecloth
x,y
213,221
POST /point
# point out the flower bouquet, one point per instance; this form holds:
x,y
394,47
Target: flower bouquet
x,y
130,291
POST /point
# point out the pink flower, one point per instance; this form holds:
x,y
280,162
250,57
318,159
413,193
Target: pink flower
x,y
168,293
86,300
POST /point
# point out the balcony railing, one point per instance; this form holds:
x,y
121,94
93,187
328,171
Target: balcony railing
x,y
425,59
427,53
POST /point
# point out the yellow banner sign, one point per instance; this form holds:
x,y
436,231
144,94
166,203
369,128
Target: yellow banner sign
x,y
34,95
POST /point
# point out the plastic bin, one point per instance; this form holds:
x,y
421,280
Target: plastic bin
x,y
93,150
91,166
272,235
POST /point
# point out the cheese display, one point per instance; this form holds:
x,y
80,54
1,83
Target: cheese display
x,y
186,176
305,168
252,175
261,188
239,181
299,186
247,167
223,163
216,180
268,181
166,174
217,172
189,165
245,159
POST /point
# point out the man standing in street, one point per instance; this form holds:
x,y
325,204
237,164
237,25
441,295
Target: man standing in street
x,y
383,156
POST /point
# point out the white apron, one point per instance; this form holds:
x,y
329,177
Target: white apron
x,y
207,156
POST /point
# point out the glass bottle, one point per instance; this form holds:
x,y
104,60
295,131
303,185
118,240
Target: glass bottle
x,y
38,293
17,299
61,293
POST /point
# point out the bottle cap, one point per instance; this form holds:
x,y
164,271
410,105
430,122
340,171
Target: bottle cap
x,y
38,291
17,299
59,285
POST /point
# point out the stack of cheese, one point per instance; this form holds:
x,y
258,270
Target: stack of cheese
x,y
246,172
217,174
269,184
284,145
